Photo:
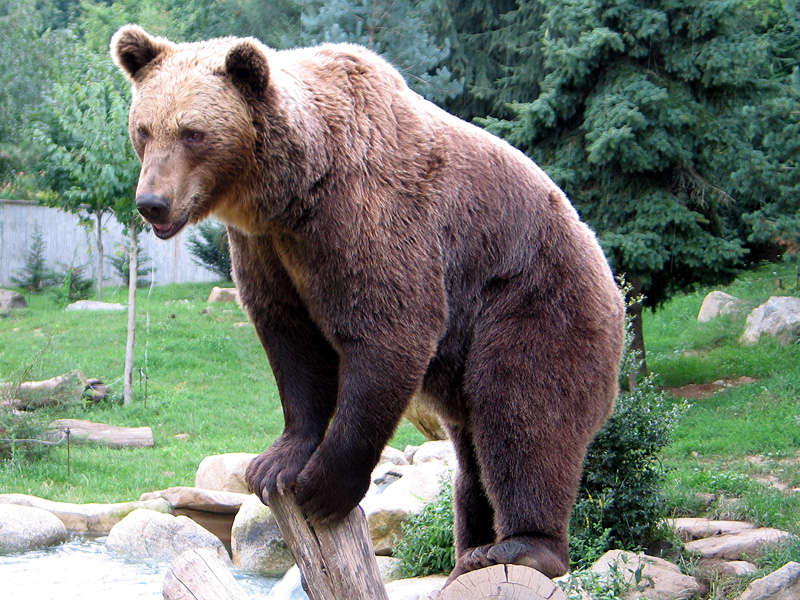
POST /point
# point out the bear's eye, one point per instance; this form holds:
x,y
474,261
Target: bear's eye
x,y
142,132
192,137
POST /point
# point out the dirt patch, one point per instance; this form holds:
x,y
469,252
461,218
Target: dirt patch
x,y
698,391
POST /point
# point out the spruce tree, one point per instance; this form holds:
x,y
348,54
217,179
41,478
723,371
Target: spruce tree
x,y
640,117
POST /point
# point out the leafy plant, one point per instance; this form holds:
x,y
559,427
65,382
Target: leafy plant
x,y
210,247
426,546
35,275
75,284
19,435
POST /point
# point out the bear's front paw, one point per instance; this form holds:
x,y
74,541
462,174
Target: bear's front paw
x,y
277,468
327,495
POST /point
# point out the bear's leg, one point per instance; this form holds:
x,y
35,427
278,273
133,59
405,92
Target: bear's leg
x,y
375,386
538,386
306,372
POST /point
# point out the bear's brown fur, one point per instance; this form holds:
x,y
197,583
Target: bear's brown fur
x,y
385,249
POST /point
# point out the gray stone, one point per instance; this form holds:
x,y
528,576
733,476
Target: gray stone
x,y
778,317
150,534
219,294
28,528
689,528
435,451
783,584
392,455
717,304
650,577
749,544
11,299
199,499
224,472
94,305
85,518
396,492
415,588
256,542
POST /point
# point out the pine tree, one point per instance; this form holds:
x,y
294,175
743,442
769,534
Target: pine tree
x,y
397,30
35,275
640,118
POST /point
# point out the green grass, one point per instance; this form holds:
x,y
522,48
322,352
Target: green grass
x,y
207,376
741,444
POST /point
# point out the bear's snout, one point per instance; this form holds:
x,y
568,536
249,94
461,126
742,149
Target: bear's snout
x,y
153,207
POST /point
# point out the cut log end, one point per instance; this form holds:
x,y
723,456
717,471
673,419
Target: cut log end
x,y
501,582
200,574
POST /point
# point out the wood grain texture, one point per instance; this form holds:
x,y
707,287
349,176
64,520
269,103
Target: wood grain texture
x,y
200,574
501,582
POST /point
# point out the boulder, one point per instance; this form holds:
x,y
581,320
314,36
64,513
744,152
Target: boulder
x,y
778,317
750,544
256,542
11,299
219,294
717,304
212,509
415,588
783,584
650,577
28,528
224,472
86,518
95,305
690,528
395,493
442,451
392,455
150,534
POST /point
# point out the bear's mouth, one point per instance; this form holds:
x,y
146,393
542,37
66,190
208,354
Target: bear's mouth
x,y
165,232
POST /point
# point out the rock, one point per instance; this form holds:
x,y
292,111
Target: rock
x,y
415,588
731,568
150,534
689,528
290,587
650,577
778,317
86,518
389,568
396,492
11,299
750,543
435,451
219,294
256,542
28,528
783,584
224,472
201,575
717,304
212,509
392,455
94,305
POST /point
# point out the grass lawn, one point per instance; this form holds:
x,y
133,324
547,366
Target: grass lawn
x,y
207,376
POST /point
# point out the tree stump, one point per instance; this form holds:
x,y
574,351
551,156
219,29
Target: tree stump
x,y
337,561
501,582
200,574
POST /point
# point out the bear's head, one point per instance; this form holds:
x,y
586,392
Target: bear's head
x,y
193,124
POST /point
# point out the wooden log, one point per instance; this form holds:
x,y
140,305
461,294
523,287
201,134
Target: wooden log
x,y
31,395
337,560
200,574
112,436
425,420
501,582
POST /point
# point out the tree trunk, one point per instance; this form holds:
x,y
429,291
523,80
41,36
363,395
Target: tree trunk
x,y
637,344
127,394
100,256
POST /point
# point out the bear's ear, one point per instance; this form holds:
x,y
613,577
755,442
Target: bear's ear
x,y
132,49
247,67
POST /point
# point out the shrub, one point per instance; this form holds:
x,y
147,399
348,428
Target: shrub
x,y
35,276
122,266
210,248
16,430
426,546
75,284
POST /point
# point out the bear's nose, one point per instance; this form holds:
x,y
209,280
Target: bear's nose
x,y
153,207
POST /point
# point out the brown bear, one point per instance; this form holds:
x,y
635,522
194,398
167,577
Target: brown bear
x,y
385,249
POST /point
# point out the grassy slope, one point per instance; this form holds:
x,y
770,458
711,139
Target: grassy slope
x,y
742,443
207,377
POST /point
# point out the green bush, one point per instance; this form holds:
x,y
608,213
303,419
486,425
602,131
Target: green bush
x,y
17,429
210,248
122,266
35,276
426,546
75,284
